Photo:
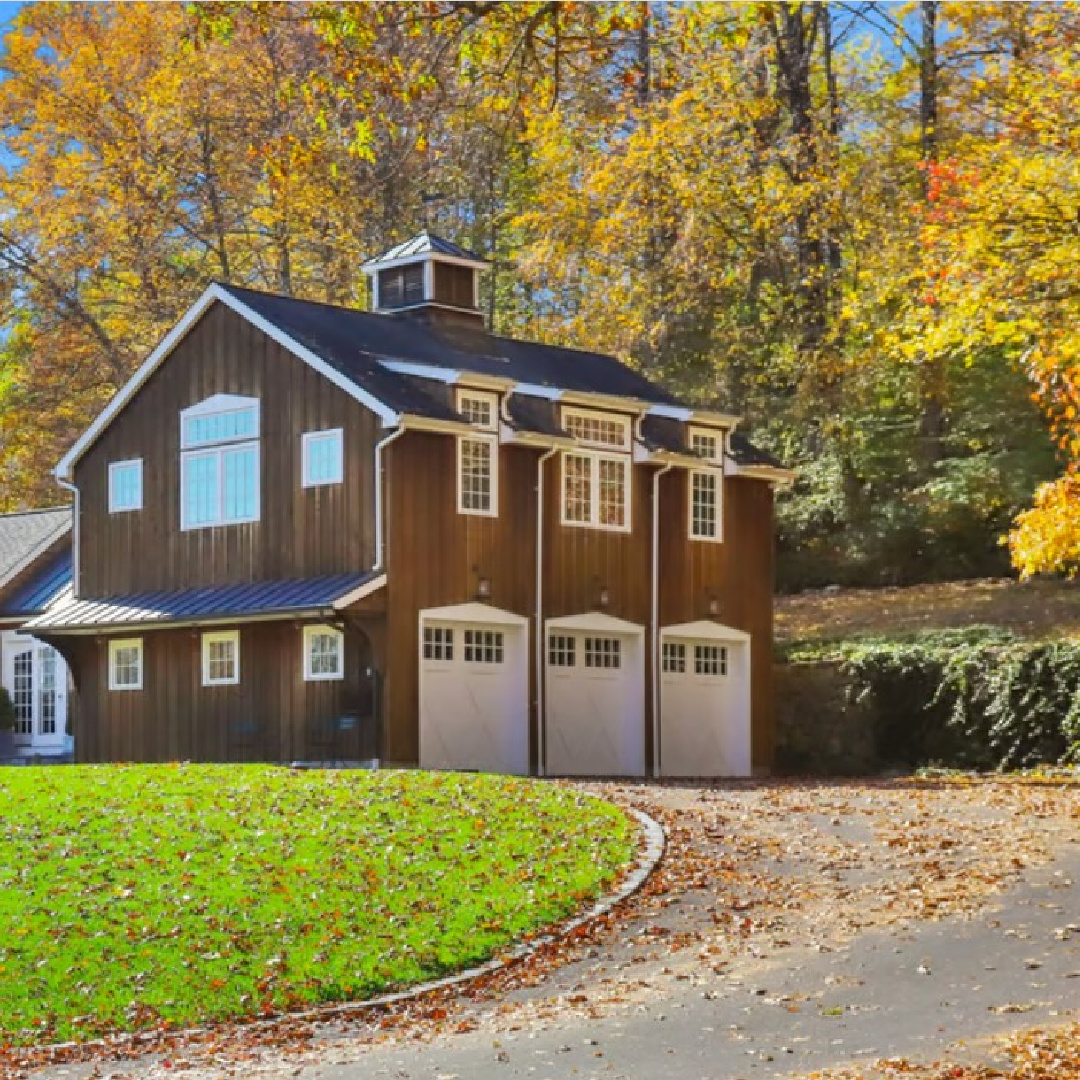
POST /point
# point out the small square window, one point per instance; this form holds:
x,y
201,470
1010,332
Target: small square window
x,y
125,486
673,657
710,660
561,651
221,658
126,664
706,444
483,647
478,409
323,454
324,653
603,652
438,643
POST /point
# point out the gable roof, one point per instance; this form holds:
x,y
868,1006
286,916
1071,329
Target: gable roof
x,y
425,243
43,587
26,536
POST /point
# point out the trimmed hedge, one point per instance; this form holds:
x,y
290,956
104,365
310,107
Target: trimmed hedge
x,y
978,699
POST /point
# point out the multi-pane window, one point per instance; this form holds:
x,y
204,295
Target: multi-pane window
x,y
126,664
125,486
596,490
603,652
47,691
705,504
706,444
438,643
322,457
219,462
483,647
597,429
477,408
221,658
478,455
324,653
476,475
710,660
561,650
673,657
22,692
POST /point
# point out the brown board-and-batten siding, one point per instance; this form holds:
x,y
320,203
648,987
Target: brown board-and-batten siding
x,y
302,532
436,557
271,714
737,573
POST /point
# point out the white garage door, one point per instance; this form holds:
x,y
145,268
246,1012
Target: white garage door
x,y
474,711
595,697
704,701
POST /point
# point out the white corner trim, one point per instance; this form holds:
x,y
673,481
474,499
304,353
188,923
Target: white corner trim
x,y
360,592
212,293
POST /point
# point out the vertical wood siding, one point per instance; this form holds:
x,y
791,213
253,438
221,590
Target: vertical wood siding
x,y
302,532
272,714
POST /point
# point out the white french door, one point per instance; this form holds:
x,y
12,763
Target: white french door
x,y
36,678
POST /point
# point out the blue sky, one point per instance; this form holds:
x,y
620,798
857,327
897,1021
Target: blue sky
x,y
8,8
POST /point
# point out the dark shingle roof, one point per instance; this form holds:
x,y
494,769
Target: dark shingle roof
x,y
425,243
45,586
26,535
354,342
207,603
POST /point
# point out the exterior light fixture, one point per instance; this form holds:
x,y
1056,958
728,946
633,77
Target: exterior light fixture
x,y
483,589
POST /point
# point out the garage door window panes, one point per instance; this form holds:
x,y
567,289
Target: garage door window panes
x,y
674,657
438,643
710,660
603,652
561,651
483,647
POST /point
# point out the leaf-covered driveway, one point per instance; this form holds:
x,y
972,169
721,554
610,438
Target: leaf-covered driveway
x,y
792,928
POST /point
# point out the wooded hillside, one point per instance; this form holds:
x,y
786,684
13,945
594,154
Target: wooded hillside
x,y
854,224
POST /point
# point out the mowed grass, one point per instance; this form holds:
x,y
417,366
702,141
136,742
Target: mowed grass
x,y
138,896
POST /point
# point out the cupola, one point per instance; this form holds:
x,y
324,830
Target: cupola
x,y
429,277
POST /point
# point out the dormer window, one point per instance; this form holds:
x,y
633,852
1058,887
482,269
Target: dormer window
x,y
478,454
219,462
596,479
705,510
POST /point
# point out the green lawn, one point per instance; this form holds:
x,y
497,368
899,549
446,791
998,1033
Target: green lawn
x,y
132,896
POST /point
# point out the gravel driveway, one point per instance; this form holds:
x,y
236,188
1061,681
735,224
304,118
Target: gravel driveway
x,y
791,927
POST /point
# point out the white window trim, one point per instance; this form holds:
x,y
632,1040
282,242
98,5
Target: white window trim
x,y
493,442
115,466
212,637
323,676
305,459
219,450
125,643
594,414
595,457
719,474
719,434
480,395
220,403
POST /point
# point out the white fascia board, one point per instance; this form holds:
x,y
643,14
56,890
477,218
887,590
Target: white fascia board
x,y
360,592
780,477
594,620
549,393
213,293
696,416
422,371
513,437
669,457
373,266
439,427
473,612
704,630
606,401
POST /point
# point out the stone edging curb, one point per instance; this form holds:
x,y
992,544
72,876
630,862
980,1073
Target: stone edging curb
x,y
655,841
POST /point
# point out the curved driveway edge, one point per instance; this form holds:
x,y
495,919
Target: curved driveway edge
x,y
652,850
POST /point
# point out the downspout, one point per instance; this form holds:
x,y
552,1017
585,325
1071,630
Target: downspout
x,y
380,446
656,617
68,486
541,720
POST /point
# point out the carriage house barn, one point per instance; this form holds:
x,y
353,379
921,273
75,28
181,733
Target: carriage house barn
x,y
310,533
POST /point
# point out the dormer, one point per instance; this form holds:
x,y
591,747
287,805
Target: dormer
x,y
429,277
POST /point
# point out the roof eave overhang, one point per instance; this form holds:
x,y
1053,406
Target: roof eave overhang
x,y
38,552
770,473
361,592
450,376
697,416
373,266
